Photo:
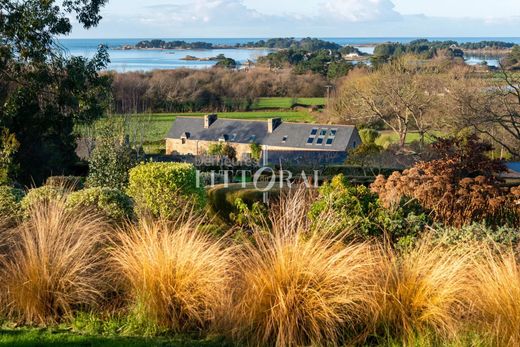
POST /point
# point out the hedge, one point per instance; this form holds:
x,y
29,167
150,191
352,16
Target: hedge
x,y
113,203
162,189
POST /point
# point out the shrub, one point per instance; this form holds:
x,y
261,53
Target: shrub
x,y
459,188
10,202
110,160
424,291
358,209
476,233
162,189
53,264
112,203
175,275
44,194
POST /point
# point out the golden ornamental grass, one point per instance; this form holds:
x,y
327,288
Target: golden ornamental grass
x,y
176,276
297,290
496,296
425,290
53,263
301,286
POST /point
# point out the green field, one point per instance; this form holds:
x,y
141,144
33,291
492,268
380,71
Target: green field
x,y
286,103
389,137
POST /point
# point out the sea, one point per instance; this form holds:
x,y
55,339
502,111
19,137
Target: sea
x,y
148,60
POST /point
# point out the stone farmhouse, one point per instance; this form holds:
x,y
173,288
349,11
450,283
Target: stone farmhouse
x,y
282,142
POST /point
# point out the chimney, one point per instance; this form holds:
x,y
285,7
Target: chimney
x,y
209,119
272,124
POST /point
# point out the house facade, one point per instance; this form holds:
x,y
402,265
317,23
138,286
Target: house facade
x,y
280,141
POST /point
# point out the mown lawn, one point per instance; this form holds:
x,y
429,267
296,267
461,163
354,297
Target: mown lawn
x,y
286,103
28,337
389,137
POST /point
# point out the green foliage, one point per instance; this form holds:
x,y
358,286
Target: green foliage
x,y
216,149
45,92
163,189
113,203
476,232
226,63
256,151
222,150
369,136
41,195
111,160
246,216
10,201
8,147
326,62
356,208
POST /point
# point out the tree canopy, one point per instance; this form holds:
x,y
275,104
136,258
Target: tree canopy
x,y
44,92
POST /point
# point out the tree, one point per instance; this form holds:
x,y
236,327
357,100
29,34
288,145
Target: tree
x,y
111,159
227,63
43,93
399,94
492,109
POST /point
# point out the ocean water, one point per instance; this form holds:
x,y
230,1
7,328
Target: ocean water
x,y
147,60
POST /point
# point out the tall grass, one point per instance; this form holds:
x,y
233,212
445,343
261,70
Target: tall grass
x,y
299,287
425,291
496,296
53,263
176,277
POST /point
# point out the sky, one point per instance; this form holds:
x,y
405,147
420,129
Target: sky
x,y
299,18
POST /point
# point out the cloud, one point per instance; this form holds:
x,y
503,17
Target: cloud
x,y
333,18
204,12
361,10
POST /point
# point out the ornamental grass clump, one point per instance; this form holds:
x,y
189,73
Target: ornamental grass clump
x,y
299,287
425,291
53,263
175,276
496,296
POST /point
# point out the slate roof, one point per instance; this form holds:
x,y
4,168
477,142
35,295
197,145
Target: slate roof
x,y
291,135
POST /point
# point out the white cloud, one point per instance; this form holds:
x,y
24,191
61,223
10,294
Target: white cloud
x,y
203,12
332,18
361,10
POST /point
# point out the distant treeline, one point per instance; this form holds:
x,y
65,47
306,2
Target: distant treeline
x,y
185,90
307,44
328,63
429,49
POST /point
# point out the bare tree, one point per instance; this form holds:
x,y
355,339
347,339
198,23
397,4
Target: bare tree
x,y
490,107
400,94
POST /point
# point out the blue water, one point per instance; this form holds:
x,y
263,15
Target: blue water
x,y
147,60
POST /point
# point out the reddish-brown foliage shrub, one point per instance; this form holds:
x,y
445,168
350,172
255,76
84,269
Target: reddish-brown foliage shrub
x,y
459,188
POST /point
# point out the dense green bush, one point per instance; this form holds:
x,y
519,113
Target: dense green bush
x,y
356,208
10,199
113,203
42,194
162,189
476,232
